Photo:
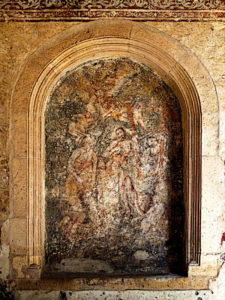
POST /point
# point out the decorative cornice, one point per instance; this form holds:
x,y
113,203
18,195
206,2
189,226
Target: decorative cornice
x,y
69,10
112,4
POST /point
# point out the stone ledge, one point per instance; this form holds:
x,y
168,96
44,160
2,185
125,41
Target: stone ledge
x,y
112,295
162,283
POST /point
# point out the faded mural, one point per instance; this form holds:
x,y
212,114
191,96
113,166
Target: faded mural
x,y
114,172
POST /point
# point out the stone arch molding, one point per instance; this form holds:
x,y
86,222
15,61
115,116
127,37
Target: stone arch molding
x,y
180,69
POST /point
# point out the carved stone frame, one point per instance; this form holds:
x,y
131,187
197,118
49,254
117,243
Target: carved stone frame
x,y
102,39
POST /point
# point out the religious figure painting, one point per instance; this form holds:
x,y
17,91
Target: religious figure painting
x,y
114,172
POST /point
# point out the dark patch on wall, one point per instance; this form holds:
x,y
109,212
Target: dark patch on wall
x,y
114,172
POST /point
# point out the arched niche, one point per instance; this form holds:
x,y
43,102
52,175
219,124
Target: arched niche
x,y
114,201
102,39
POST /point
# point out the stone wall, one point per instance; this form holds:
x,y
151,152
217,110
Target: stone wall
x,y
205,40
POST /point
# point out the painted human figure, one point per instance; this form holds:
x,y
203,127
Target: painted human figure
x,y
81,172
119,170
79,189
154,162
150,168
118,150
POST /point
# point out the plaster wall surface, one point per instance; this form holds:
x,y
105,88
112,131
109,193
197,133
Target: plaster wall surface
x,y
114,295
206,41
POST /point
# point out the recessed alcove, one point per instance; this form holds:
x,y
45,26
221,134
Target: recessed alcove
x,y
114,199
52,68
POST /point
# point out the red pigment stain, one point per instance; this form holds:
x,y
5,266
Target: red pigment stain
x,y
222,239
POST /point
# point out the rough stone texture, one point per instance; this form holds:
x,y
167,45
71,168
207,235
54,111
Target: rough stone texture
x,y
13,52
4,151
206,40
210,48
